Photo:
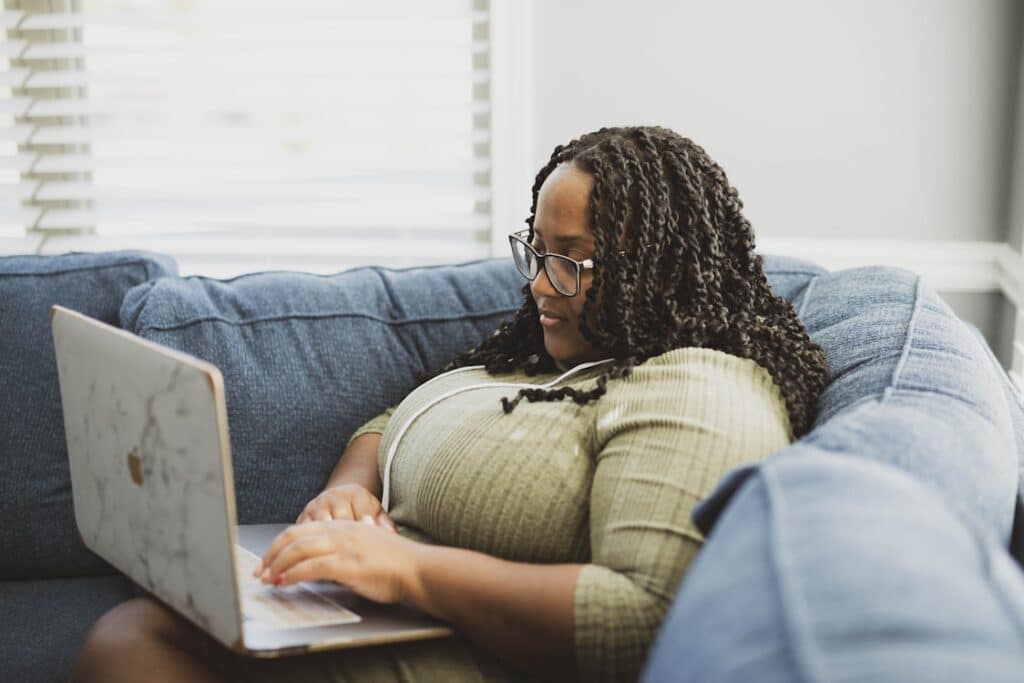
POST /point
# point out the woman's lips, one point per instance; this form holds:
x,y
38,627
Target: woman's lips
x,y
548,321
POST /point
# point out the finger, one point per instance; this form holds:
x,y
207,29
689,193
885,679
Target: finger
x,y
341,511
364,503
301,549
329,567
284,538
385,521
322,514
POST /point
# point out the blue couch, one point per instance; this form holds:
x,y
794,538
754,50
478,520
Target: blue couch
x,y
895,533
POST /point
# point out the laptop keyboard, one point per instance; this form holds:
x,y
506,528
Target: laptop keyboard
x,y
295,606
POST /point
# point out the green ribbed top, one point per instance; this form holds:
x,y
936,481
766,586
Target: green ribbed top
x,y
610,484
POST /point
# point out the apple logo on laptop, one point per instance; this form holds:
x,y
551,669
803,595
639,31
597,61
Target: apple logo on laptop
x,y
135,466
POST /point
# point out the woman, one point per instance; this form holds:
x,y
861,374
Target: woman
x,y
552,534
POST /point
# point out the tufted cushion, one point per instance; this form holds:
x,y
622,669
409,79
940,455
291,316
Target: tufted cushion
x,y
826,567
307,359
911,385
37,528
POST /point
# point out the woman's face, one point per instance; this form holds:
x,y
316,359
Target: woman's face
x,y
562,226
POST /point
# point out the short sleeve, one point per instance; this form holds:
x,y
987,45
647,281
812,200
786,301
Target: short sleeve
x,y
663,438
375,425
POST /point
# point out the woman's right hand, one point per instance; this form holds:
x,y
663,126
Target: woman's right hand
x,y
346,501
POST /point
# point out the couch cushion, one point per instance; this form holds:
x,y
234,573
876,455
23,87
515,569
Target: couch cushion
x,y
45,622
911,385
1016,408
826,567
307,359
37,529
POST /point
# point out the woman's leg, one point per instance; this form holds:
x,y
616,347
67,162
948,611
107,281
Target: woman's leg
x,y
142,640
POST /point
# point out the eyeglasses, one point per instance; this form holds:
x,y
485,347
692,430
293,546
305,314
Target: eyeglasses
x,y
563,272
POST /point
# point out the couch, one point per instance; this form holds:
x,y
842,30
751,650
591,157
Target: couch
x,y
871,549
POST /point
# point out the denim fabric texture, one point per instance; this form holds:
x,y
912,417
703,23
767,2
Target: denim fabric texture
x,y
912,386
307,359
875,547
827,567
1016,407
46,621
37,528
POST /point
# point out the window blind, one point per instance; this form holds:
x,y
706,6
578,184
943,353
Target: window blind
x,y
249,134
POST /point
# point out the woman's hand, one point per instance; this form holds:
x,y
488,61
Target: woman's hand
x,y
347,501
372,561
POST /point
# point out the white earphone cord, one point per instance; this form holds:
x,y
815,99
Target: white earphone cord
x,y
386,482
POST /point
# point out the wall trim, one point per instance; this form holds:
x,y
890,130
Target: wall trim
x,y
946,265
27,244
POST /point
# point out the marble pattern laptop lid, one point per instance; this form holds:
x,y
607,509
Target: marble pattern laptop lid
x,y
145,432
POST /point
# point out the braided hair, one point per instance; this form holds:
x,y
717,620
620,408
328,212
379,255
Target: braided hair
x,y
699,284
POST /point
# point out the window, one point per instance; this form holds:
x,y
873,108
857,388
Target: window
x,y
241,135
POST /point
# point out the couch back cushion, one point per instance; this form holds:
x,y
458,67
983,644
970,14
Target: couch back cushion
x,y
912,385
307,359
37,528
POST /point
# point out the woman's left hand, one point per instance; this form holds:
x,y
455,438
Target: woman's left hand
x,y
373,561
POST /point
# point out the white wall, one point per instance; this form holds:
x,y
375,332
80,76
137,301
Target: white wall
x,y
835,118
1015,214
853,119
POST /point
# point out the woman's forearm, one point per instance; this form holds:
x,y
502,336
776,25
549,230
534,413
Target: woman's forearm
x,y
522,612
358,464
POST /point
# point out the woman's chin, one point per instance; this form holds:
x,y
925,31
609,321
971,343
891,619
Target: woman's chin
x,y
557,351
561,352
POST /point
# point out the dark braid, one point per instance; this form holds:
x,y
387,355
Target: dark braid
x,y
699,283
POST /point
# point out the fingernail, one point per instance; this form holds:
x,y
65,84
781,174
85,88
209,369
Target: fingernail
x,y
278,579
367,519
265,575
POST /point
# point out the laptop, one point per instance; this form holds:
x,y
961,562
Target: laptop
x,y
151,479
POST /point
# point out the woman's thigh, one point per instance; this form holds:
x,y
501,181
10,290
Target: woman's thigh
x,y
142,637
142,633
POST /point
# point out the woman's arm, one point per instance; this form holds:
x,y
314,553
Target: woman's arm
x,y
353,490
358,464
522,612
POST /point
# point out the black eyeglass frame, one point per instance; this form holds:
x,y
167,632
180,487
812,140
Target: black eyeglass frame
x,y
579,266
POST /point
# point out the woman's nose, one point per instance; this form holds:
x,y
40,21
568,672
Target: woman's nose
x,y
541,285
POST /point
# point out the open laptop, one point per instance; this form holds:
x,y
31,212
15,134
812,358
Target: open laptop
x,y
151,478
